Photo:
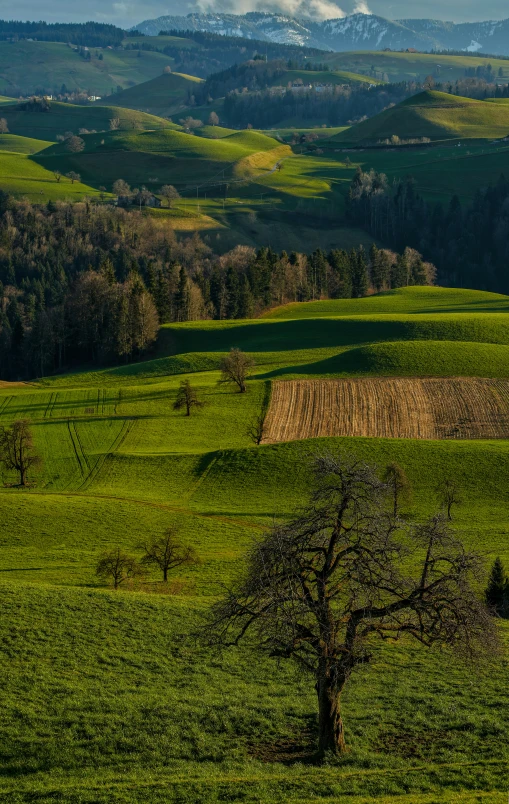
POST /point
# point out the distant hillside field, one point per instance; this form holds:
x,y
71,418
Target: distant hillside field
x,y
435,115
412,66
63,117
26,67
24,178
162,96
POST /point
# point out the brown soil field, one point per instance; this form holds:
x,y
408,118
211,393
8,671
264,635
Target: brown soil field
x,y
386,407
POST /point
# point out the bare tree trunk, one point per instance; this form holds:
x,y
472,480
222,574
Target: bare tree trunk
x,y
331,736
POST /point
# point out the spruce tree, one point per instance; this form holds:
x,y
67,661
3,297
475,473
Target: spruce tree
x,y
497,591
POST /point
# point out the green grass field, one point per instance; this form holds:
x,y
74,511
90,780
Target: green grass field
x,y
106,698
26,67
412,66
435,115
163,96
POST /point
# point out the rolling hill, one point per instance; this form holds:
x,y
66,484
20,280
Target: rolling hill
x,y
28,67
106,699
435,115
162,96
63,117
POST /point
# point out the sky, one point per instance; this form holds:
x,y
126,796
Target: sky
x,y
126,13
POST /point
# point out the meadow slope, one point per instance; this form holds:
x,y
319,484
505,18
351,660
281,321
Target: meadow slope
x,y
106,699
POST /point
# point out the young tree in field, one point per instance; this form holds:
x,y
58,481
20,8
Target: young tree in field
x,y
73,176
17,451
167,553
213,119
75,145
497,591
235,367
324,587
169,192
114,123
187,397
448,492
117,567
398,483
4,128
57,176
256,428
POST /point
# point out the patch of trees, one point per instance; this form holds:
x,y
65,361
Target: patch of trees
x,y
216,52
91,34
90,283
164,554
344,575
468,244
338,105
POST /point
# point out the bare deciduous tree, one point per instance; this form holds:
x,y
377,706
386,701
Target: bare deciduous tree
x,y
114,123
57,176
235,367
256,428
399,484
17,451
187,397
121,187
213,119
118,567
448,492
74,144
167,553
73,176
169,192
4,128
324,587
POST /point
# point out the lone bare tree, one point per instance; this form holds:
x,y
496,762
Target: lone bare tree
x,y
74,144
73,176
256,428
322,588
17,451
121,187
448,492
235,367
167,553
187,397
169,192
398,483
4,128
213,119
114,123
118,567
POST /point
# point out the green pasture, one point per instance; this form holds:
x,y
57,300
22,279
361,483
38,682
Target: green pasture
x,y
323,77
22,145
22,177
26,67
163,95
435,115
108,697
63,117
412,66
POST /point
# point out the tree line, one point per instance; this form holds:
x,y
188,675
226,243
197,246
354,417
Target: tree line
x,y
84,282
90,34
469,244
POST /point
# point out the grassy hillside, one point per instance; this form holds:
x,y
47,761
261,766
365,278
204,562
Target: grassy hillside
x,y
163,96
323,77
22,145
26,67
22,177
412,66
63,117
435,115
105,698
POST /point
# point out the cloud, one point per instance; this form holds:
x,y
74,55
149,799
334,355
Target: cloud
x,y
361,8
314,9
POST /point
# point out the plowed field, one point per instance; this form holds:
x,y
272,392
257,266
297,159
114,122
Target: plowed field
x,y
389,408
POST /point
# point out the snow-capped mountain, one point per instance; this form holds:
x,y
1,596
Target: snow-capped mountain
x,y
354,32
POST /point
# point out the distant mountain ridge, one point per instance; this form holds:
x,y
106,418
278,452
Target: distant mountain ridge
x,y
354,32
